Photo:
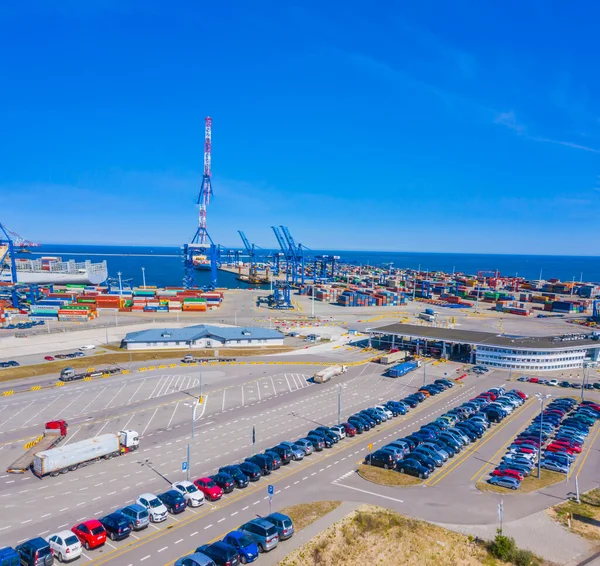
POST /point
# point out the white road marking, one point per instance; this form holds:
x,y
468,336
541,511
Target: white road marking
x,y
153,415
174,411
135,393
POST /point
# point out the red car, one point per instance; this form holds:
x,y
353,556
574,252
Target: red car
x,y
350,430
525,441
570,445
49,358
559,448
520,394
524,450
209,488
533,380
508,472
90,533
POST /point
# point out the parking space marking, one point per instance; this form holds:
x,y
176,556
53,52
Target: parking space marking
x,y
368,492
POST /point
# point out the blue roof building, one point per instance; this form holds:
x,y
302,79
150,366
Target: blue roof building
x,y
201,336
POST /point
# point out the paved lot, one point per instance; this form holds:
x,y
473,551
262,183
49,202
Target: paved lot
x,y
281,403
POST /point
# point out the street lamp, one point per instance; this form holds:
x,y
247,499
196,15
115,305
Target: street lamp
x,y
585,378
120,284
340,388
542,399
144,276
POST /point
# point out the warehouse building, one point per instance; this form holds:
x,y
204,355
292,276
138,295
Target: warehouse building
x,y
201,336
535,353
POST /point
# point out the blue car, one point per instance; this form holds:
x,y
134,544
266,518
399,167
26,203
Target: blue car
x,y
554,466
505,481
246,547
413,467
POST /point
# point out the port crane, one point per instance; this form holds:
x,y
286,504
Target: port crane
x,y
253,276
296,254
202,242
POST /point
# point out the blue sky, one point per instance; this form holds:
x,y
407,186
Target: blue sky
x,y
428,126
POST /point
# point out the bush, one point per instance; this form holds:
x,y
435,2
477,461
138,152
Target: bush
x,y
525,558
503,547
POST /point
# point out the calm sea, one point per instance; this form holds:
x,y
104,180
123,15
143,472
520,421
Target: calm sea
x,y
164,265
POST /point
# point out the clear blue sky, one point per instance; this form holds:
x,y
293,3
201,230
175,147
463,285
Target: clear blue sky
x,y
422,126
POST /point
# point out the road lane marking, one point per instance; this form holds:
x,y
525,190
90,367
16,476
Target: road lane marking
x,y
369,492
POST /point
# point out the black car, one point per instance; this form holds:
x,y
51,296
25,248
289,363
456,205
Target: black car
x,y
222,554
414,439
35,552
329,433
412,402
326,440
275,457
226,482
365,422
252,471
358,425
410,441
285,454
116,525
424,460
173,501
239,477
264,463
381,459
413,467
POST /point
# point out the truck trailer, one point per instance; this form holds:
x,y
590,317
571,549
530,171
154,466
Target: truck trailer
x,y
327,373
393,357
68,458
54,432
403,368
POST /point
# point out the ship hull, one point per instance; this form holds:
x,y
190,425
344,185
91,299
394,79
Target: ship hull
x,y
203,267
47,278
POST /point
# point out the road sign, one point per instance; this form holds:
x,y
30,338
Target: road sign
x,y
184,466
370,446
271,489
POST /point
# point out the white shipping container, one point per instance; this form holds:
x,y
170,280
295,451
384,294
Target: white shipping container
x,y
56,459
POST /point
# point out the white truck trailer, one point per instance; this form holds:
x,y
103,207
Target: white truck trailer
x,y
393,358
327,373
72,456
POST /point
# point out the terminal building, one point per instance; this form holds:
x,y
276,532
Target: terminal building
x,y
502,351
201,336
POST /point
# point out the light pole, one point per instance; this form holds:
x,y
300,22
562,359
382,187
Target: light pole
x,y
312,306
120,284
144,276
542,399
585,377
340,388
424,376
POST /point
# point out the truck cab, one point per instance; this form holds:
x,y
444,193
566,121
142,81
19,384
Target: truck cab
x,y
129,439
67,373
188,359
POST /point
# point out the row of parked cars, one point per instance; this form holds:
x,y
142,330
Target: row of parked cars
x,y
24,325
9,364
557,435
434,443
557,383
244,545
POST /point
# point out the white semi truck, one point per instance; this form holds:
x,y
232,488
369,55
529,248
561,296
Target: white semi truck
x,y
327,373
72,456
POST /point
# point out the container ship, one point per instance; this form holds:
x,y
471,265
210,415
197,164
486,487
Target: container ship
x,y
51,269
201,259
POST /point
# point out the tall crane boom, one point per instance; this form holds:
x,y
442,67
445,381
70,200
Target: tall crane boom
x,y
206,189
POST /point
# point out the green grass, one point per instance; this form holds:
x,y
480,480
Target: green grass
x,y
529,484
390,478
585,516
306,513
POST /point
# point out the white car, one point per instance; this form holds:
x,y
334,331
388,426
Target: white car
x,y
88,347
156,508
190,492
388,413
65,546
553,382
339,430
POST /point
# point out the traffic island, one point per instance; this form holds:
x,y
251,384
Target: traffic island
x,y
581,518
529,484
390,478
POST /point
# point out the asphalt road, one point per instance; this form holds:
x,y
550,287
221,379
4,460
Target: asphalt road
x,y
282,404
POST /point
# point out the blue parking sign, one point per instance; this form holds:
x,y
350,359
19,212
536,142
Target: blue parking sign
x,y
183,466
271,490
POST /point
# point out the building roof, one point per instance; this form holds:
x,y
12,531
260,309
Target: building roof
x,y
474,337
199,331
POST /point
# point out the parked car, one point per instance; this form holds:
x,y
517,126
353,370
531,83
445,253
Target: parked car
x,y
381,459
35,552
209,488
222,554
157,512
224,481
554,466
88,347
264,463
196,559
65,546
505,481
413,467
192,493
262,532
239,476
283,524
138,516
245,546
116,525
251,470
174,501
90,533
306,445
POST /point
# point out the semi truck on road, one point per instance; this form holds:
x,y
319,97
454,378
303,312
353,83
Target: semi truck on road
x,y
54,432
68,458
327,373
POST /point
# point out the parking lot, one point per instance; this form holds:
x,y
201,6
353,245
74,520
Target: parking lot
x,y
279,403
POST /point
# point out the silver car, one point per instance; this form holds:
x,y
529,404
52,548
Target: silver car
x,y
262,532
297,452
305,445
